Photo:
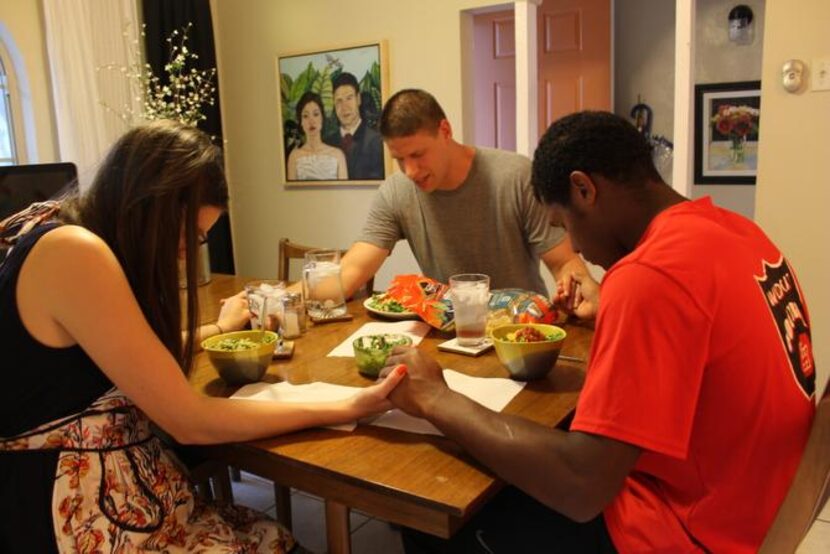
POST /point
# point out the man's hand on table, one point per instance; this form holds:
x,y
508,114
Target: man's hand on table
x,y
423,385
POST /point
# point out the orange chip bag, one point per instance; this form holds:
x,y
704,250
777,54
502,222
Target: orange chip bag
x,y
425,297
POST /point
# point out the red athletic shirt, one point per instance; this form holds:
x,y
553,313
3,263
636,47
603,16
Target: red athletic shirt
x,y
702,358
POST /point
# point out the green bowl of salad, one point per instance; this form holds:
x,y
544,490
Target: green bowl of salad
x,y
371,351
241,357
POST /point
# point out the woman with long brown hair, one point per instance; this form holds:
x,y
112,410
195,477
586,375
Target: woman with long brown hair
x,y
91,334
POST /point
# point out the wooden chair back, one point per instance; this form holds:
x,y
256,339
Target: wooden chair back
x,y
809,490
291,251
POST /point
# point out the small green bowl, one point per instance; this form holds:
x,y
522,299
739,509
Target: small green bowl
x,y
371,351
240,367
528,360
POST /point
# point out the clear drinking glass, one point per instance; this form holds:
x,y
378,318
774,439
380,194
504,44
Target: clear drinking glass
x,y
322,288
264,298
470,293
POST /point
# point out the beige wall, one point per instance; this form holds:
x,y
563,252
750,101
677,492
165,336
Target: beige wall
x,y
717,60
793,190
644,60
424,51
22,21
644,53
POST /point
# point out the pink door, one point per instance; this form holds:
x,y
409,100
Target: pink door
x,y
574,58
494,53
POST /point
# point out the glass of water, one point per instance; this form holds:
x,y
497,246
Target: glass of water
x,y
322,287
470,294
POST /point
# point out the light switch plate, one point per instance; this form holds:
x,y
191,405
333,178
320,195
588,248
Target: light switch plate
x,y
821,75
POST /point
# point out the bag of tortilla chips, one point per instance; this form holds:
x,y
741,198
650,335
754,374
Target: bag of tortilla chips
x,y
425,297
430,300
519,306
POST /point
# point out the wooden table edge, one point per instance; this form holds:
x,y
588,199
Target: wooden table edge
x,y
398,506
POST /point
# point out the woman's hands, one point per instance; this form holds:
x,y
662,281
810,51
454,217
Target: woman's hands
x,y
374,399
235,313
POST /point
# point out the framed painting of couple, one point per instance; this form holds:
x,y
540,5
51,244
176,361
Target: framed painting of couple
x,y
330,106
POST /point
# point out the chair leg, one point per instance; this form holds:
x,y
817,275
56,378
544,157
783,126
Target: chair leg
x,y
236,475
203,490
282,495
222,490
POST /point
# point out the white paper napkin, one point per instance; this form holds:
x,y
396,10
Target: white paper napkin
x,y
494,393
416,330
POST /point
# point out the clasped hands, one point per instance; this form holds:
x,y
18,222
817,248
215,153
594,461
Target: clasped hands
x,y
577,294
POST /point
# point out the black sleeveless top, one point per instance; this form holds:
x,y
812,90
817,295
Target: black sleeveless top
x,y
38,384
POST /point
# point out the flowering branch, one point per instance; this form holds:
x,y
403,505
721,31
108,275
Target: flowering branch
x,y
181,98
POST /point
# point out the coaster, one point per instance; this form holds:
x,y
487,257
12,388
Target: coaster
x,y
332,319
284,351
453,346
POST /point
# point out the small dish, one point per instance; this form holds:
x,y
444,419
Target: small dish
x,y
371,351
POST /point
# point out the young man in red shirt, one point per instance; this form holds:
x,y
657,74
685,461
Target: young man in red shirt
x,y
699,392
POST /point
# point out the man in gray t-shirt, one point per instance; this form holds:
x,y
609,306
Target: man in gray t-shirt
x,y
461,209
490,224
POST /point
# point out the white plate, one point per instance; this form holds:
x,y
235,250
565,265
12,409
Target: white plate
x,y
389,315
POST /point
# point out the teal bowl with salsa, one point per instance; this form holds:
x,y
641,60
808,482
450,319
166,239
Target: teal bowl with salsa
x,y
528,350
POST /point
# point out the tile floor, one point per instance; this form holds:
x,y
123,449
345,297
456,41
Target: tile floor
x,y
369,535
372,536
818,539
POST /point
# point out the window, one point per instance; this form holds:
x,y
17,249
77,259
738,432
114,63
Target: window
x,y
8,152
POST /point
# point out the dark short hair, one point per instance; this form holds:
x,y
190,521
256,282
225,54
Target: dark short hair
x,y
593,142
345,79
410,111
306,98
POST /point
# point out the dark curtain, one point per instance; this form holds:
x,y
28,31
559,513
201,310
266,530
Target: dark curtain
x,y
161,18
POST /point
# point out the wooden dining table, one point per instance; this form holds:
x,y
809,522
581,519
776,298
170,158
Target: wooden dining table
x,y
424,482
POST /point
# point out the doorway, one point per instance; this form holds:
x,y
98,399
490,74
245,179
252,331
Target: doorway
x,y
574,64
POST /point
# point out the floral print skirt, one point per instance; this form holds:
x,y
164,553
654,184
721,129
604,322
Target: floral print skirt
x,y
118,489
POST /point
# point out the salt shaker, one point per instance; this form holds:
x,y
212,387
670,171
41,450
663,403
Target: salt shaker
x,y
293,315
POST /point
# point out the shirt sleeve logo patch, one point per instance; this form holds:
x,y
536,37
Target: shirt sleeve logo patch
x,y
783,297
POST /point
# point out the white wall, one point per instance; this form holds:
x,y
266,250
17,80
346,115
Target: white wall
x,y
424,51
793,190
644,60
22,20
717,60
644,51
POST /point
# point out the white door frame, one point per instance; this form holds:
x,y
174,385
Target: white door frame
x,y
527,81
684,82
527,86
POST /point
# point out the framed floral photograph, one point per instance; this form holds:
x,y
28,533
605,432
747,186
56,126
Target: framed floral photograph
x,y
727,119
330,105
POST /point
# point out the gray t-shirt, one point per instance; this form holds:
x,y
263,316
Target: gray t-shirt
x,y
491,224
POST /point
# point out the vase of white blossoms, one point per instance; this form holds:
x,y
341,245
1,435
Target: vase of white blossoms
x,y
181,95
